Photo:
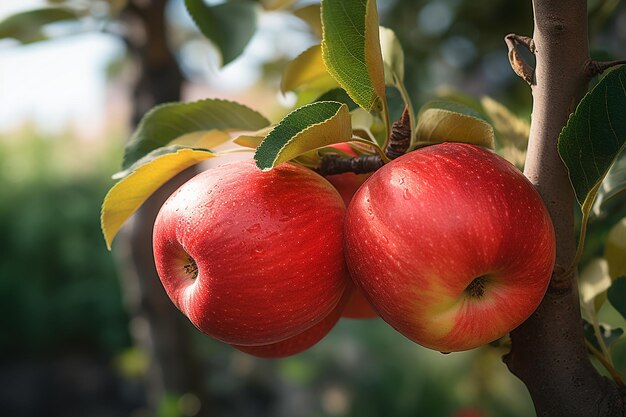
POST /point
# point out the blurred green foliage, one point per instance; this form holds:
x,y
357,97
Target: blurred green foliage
x,y
58,284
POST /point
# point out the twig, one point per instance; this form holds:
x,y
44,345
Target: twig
x,y
399,142
615,374
598,67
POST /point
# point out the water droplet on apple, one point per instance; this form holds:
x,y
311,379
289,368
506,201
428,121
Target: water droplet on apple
x,y
258,249
254,228
405,194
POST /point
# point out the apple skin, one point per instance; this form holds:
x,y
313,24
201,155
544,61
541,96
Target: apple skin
x,y
252,257
426,225
300,342
347,184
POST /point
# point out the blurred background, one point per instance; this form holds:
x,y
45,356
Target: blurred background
x,y
85,332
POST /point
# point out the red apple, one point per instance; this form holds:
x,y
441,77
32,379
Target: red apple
x,y
452,245
347,184
300,342
253,257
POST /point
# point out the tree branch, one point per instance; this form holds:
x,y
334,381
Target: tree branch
x,y
548,352
598,67
399,142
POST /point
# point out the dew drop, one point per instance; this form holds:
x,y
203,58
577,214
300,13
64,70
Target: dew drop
x,y
254,228
405,194
384,239
258,249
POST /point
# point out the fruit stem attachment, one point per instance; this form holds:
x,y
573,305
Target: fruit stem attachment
x,y
191,268
398,145
476,288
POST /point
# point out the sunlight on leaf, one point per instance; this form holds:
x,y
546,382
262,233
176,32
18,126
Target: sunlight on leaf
x,y
311,15
393,56
309,127
351,50
307,70
170,121
615,250
206,139
254,139
594,280
512,132
443,121
126,196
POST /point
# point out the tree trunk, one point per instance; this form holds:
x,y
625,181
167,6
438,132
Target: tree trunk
x,y
157,326
548,352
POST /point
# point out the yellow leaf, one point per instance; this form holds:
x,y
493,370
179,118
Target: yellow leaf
x,y
615,250
373,53
311,15
206,139
451,122
307,70
253,140
594,280
125,197
248,141
393,56
513,130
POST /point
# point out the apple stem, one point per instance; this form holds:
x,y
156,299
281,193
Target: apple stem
x,y
191,268
476,288
398,145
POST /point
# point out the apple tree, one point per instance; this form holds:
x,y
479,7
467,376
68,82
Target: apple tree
x,y
348,124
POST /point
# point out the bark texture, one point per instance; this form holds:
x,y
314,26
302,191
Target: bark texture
x,y
548,352
157,326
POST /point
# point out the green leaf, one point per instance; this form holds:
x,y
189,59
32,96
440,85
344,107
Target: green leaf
x,y
615,250
167,122
229,26
609,335
306,128
594,136
126,196
201,140
308,71
340,95
617,295
26,26
445,121
351,50
613,185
